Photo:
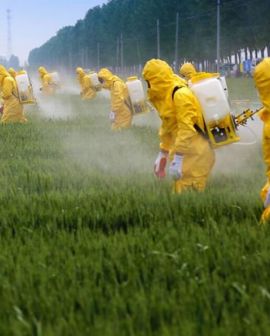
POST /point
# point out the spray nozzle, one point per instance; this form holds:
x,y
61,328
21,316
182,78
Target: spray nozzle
x,y
242,118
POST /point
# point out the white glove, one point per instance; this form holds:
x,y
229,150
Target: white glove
x,y
112,116
176,165
160,164
267,199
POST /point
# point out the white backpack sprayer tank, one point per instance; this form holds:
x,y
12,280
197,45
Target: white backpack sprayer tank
x,y
25,89
219,122
55,78
94,80
136,95
223,82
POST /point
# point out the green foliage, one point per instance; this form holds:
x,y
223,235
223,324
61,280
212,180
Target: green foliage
x,y
92,244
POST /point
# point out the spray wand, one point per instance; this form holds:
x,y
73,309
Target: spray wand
x,y
243,117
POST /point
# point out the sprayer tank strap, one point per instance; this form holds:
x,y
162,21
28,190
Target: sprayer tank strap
x,y
14,94
127,101
197,128
128,104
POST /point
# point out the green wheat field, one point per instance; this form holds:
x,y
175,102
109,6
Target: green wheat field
x,y
92,244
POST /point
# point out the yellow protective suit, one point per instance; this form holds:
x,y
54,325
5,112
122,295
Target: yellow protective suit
x,y
262,81
87,90
120,103
13,110
188,71
1,106
16,73
179,114
48,86
12,72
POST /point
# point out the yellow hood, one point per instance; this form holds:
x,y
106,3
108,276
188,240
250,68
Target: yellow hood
x,y
160,77
187,70
262,81
80,74
108,78
42,71
12,72
80,71
3,74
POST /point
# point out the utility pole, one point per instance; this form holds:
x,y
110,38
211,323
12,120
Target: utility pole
x,y
176,41
86,57
138,50
218,35
158,40
98,55
9,42
81,57
122,52
117,52
70,59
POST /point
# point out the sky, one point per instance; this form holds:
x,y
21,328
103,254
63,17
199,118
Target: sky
x,y
33,22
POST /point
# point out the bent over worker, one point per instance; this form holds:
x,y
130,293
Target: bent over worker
x,y
49,87
87,91
262,82
120,115
13,109
182,129
189,73
15,73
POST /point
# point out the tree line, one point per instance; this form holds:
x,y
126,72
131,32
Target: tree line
x,y
10,62
129,32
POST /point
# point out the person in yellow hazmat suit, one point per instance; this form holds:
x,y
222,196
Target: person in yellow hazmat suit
x,y
181,133
120,115
15,73
189,72
87,91
262,81
48,86
13,110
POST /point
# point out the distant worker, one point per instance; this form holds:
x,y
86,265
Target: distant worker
x,y
87,91
15,73
120,115
189,72
12,72
182,129
49,85
13,110
262,81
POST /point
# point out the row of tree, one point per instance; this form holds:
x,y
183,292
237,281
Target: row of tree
x,y
128,32
11,62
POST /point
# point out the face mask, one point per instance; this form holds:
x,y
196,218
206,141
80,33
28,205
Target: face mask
x,y
101,80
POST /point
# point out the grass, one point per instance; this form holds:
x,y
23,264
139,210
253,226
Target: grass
x,y
92,244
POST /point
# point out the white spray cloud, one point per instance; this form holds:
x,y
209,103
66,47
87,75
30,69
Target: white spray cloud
x,y
240,157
